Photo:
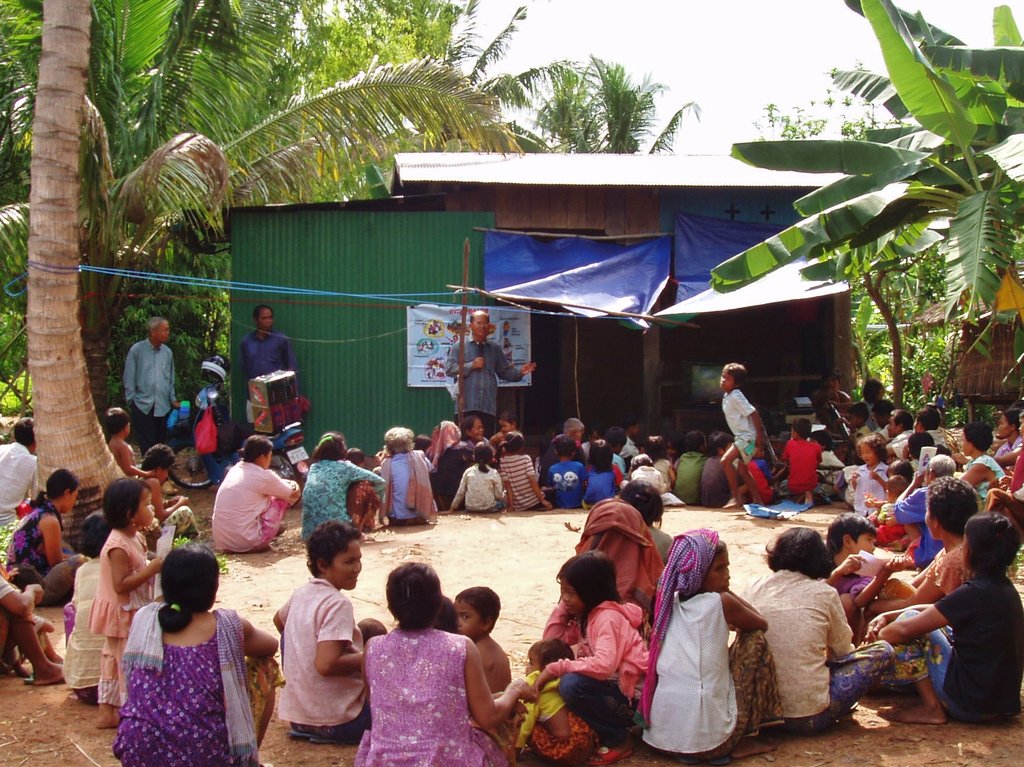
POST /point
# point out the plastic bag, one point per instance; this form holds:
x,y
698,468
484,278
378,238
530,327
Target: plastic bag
x,y
206,433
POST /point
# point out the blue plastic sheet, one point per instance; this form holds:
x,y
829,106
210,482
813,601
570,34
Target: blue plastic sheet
x,y
599,275
702,243
780,510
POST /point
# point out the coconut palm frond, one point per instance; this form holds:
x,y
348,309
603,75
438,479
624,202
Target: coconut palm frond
x,y
498,47
14,235
424,96
667,137
189,172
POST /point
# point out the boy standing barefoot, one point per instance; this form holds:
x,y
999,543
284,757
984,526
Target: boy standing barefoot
x,y
745,424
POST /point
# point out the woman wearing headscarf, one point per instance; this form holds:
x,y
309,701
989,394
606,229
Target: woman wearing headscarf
x,y
450,454
702,697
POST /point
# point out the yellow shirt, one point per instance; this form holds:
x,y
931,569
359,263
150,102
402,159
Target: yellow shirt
x,y
548,703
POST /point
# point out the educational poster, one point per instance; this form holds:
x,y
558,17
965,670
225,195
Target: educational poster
x,y
432,330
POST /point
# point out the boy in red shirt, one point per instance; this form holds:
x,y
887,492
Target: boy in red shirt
x,y
802,455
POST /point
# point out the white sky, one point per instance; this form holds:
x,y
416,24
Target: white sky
x,y
730,56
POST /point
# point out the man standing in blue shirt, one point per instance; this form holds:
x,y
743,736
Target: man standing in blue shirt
x,y
149,384
264,350
483,364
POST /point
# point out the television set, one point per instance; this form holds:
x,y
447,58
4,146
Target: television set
x,y
704,383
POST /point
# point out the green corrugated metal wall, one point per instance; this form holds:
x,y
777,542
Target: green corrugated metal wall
x,y
351,351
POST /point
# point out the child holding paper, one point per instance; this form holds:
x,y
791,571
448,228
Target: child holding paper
x,y
859,576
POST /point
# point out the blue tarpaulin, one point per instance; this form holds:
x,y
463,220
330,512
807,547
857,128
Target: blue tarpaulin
x,y
599,275
702,243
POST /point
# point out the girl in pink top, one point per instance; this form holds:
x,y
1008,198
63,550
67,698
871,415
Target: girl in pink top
x,y
611,659
125,585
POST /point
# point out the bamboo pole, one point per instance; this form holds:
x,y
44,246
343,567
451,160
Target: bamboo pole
x,y
462,332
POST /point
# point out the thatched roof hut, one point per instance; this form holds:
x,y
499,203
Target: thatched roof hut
x,y
995,377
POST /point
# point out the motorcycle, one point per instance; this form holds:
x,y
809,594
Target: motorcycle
x,y
192,469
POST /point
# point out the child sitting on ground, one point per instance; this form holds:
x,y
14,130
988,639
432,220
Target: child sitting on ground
x,y
745,423
519,476
689,467
550,729
889,532
600,685
157,463
714,486
801,456
508,423
325,699
481,486
641,469
118,425
477,610
616,438
603,477
657,449
869,479
912,451
568,477
848,537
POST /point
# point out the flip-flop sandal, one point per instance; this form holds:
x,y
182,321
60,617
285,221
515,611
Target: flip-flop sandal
x,y
605,755
314,739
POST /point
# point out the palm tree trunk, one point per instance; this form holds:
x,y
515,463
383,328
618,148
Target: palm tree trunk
x,y
67,431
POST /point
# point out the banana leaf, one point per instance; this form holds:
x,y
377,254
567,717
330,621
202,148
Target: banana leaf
x,y
824,156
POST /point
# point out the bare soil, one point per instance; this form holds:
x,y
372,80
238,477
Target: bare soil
x,y
517,555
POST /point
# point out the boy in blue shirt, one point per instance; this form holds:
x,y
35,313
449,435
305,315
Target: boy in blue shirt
x,y
568,477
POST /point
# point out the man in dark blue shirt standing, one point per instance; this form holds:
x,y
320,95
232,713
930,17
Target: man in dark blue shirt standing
x,y
266,351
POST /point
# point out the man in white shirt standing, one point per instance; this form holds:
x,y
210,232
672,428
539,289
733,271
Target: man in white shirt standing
x,y
17,469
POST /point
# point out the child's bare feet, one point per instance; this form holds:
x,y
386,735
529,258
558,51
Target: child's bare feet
x,y
108,717
732,503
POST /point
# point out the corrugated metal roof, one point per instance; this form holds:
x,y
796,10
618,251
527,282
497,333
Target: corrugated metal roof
x,y
594,170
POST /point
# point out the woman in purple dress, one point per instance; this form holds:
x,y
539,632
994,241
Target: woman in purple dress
x,y
427,685
188,703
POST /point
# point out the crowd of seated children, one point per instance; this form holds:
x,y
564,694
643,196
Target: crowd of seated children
x,y
481,488
573,429
450,455
477,609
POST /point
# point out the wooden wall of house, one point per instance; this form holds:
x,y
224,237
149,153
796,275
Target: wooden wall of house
x,y
571,209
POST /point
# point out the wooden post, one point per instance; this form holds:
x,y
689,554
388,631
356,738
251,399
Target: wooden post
x,y
462,335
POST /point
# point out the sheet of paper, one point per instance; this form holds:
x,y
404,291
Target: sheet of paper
x,y
870,564
166,541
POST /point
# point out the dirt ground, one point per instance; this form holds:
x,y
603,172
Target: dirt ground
x,y
518,556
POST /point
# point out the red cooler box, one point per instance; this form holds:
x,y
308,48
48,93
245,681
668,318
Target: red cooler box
x,y
274,399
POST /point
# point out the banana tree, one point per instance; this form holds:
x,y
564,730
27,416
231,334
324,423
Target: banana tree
x,y
952,175
172,134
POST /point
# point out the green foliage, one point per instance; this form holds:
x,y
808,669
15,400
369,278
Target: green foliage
x,y
599,108
222,558
6,534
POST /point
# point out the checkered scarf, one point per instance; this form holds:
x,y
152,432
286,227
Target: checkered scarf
x,y
688,563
